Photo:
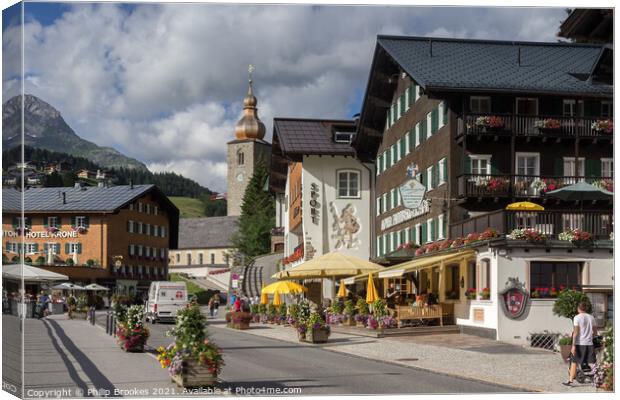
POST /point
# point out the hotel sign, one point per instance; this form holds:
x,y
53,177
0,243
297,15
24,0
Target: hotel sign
x,y
405,215
42,234
412,193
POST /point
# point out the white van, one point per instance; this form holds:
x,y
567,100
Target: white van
x,y
165,299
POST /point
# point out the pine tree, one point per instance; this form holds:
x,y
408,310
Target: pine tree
x,y
257,216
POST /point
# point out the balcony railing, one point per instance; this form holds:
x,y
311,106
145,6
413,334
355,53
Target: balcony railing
x,y
503,185
550,223
532,125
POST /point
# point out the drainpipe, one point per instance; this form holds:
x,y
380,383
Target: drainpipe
x,y
373,204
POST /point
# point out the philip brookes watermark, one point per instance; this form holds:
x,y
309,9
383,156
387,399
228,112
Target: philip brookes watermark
x,y
266,391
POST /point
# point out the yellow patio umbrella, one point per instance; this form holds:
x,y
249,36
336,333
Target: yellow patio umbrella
x,y
284,287
342,292
371,292
264,298
525,206
276,299
329,265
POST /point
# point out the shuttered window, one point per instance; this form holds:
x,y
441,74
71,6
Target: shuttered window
x,y
434,120
403,148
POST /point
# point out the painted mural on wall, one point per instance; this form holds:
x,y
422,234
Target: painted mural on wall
x,y
346,227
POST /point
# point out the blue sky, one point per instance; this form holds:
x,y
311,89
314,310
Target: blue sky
x,y
149,78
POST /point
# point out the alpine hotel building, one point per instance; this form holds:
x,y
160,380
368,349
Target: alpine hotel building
x,y
116,236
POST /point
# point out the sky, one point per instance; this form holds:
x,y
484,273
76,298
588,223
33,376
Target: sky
x,y
164,83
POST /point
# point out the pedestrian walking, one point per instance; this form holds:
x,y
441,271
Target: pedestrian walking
x,y
211,306
216,303
582,352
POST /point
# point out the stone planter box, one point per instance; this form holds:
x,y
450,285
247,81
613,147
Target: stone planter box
x,y
317,335
360,324
194,375
350,322
135,349
301,336
240,320
78,315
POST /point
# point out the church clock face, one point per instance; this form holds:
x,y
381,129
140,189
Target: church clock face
x,y
240,177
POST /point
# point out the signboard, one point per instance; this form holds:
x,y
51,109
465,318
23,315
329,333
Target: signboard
x,y
514,298
412,193
42,234
478,314
314,204
406,215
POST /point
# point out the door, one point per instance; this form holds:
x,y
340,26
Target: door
x,y
527,170
573,110
599,308
526,110
573,174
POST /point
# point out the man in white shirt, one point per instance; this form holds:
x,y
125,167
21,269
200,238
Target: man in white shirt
x,y
582,351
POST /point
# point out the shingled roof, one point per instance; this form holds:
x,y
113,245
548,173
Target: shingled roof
x,y
207,233
310,136
87,198
502,66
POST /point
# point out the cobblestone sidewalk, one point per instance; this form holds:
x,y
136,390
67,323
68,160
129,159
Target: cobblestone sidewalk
x,y
505,364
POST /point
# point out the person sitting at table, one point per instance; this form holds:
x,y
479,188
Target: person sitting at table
x,y
391,296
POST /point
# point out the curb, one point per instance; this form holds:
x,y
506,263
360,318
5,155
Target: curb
x,y
427,369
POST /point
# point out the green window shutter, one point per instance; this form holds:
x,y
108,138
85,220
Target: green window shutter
x,y
433,230
445,113
73,222
403,99
388,202
46,248
403,150
67,250
436,176
86,222
445,170
79,248
45,222
558,167
8,246
434,120
28,222
423,234
494,170
411,139
467,165
423,130
410,97
593,167
15,222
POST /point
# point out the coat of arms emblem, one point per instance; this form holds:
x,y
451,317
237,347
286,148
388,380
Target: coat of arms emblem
x,y
514,298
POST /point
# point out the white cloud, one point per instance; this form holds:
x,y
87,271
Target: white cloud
x,y
163,83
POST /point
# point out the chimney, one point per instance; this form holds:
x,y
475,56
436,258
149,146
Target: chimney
x,y
64,198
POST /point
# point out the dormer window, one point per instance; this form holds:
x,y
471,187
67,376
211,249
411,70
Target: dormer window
x,y
342,136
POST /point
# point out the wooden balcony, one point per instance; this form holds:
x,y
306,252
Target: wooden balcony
x,y
527,186
551,223
531,125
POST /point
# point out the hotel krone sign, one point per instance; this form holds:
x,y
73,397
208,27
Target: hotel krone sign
x,y
42,234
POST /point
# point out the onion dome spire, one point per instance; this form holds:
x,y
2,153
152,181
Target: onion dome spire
x,y
250,126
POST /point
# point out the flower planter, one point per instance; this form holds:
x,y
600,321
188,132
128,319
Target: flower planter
x,y
351,322
138,348
565,351
240,320
319,335
360,324
301,336
194,375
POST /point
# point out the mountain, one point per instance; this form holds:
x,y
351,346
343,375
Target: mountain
x,y
45,128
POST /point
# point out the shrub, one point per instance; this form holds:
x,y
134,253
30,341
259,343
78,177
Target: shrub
x,y
567,301
379,309
293,311
90,262
362,307
304,311
69,262
349,308
337,307
28,260
40,260
15,259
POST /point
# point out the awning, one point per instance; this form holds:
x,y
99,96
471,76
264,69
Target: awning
x,y
417,264
392,274
329,265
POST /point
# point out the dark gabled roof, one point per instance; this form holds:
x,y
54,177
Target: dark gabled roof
x,y
589,25
310,136
439,64
87,198
205,233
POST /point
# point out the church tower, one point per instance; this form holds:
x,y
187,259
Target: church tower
x,y
246,152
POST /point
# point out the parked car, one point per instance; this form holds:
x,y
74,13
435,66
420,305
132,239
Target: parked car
x,y
164,300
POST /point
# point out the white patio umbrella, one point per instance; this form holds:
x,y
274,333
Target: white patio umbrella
x,y
68,286
30,273
96,287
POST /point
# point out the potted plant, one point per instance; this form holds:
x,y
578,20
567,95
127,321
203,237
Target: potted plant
x,y
262,312
490,123
566,305
282,314
565,343
317,330
254,313
131,332
293,315
485,294
388,322
471,293
372,323
603,126
192,360
547,125
271,314
301,332
79,310
604,372
303,314
240,320
362,312
350,311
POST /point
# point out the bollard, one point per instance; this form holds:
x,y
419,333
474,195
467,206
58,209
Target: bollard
x,y
113,326
107,323
94,318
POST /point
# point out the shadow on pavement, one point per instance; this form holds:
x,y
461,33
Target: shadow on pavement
x,y
88,367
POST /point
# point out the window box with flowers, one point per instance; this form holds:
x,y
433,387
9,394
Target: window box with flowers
x,y
548,125
603,126
577,237
471,293
605,184
192,360
485,294
489,123
528,235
